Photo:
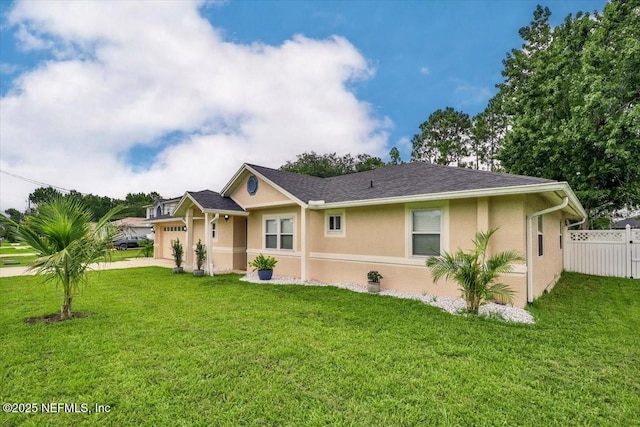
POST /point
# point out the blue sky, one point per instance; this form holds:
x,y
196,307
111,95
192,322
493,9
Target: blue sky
x,y
175,96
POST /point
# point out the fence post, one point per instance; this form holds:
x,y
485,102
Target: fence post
x,y
629,251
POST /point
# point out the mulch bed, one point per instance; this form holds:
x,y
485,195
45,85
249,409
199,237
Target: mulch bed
x,y
55,317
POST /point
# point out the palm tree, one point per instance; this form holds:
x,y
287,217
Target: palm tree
x,y
475,273
66,242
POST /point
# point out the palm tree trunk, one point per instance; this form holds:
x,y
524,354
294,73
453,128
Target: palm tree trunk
x,y
65,312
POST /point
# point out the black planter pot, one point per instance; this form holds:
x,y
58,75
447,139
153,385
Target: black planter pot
x,y
198,273
178,270
265,274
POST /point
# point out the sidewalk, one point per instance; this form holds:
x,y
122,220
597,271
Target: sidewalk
x,y
128,263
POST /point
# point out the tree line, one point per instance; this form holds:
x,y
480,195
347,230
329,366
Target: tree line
x,y
97,206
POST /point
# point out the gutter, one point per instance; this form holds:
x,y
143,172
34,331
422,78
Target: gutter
x,y
565,202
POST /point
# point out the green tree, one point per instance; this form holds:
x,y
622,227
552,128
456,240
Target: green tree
x,y
43,195
394,156
489,128
443,138
476,273
66,243
327,165
572,95
8,233
136,202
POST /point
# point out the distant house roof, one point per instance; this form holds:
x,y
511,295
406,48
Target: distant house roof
x,y
161,201
131,222
633,222
407,179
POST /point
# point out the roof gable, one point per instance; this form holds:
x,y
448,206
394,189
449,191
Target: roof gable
x,y
207,201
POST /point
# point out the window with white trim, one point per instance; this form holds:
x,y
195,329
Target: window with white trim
x,y
213,230
540,237
278,233
560,231
425,232
334,224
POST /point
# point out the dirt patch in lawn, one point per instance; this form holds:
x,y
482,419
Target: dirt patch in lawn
x,y
55,317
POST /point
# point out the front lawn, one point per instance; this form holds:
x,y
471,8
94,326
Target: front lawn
x,y
164,349
27,260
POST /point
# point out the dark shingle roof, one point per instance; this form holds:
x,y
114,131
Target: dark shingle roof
x,y
211,200
632,222
407,179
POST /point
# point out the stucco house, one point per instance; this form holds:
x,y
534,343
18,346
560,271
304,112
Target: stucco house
x,y
390,220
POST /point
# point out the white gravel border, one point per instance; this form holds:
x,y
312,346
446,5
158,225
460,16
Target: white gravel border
x,y
451,305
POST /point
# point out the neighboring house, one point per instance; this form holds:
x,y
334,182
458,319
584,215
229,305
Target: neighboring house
x,y
162,208
390,219
132,226
631,222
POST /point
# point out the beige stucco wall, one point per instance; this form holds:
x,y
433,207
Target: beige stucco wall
x,y
229,246
289,261
265,195
378,238
548,267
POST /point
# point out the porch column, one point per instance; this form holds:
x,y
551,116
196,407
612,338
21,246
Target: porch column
x,y
304,243
208,267
188,245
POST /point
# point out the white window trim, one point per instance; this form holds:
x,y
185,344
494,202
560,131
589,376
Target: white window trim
x,y
214,227
279,218
444,226
343,223
539,234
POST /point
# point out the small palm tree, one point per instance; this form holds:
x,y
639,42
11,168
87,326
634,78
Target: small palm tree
x,y
67,243
475,273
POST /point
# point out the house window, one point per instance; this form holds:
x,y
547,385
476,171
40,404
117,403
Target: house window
x,y
425,232
159,211
561,230
278,233
540,237
334,224
213,230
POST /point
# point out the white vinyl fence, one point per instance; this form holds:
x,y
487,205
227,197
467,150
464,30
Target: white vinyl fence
x,y
603,252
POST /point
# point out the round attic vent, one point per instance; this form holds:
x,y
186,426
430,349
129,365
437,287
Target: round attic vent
x,y
252,185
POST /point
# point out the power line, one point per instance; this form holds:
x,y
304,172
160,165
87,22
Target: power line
x,y
33,181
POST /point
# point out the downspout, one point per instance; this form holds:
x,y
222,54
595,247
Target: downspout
x,y
582,221
565,202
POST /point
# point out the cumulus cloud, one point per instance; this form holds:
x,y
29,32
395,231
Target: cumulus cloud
x,y
129,74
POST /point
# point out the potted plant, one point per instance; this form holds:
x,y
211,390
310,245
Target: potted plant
x,y
201,255
264,265
178,252
374,281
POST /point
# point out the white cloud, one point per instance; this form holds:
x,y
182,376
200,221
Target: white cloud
x,y
129,73
471,95
424,71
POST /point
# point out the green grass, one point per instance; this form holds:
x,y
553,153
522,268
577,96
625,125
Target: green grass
x,y
12,250
164,349
26,261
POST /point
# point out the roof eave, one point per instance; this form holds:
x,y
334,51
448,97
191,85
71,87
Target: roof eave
x,y
482,192
226,212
